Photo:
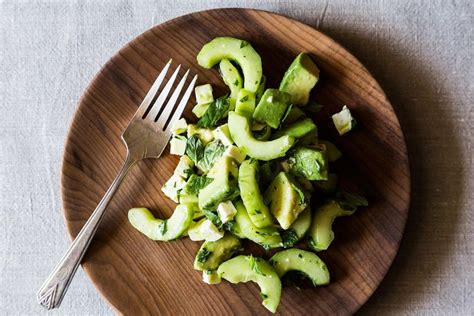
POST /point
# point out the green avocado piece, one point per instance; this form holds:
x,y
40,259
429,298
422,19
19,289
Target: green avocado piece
x,y
157,229
285,199
262,150
213,253
298,129
299,79
224,186
237,50
272,107
329,185
297,230
245,104
248,268
232,79
320,233
332,151
294,114
251,196
309,162
301,260
267,237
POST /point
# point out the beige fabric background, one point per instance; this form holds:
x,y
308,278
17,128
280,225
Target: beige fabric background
x,y
420,51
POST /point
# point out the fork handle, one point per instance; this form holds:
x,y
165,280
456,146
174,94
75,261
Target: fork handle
x,y
54,288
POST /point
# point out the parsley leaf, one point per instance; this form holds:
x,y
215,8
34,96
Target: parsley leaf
x,y
244,98
213,217
301,195
203,255
194,148
289,238
255,266
196,183
217,110
212,152
243,44
163,228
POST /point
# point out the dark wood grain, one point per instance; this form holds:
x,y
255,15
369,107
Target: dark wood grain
x,y
138,276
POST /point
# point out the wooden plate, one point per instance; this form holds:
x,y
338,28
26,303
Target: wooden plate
x,y
138,276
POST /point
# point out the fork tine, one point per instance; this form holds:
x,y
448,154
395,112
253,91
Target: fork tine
x,y
155,108
152,92
182,104
165,115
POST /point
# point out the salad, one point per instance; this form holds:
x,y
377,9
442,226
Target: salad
x,y
253,167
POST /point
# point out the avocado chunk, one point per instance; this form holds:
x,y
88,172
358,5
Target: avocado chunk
x,y
303,261
299,79
285,199
298,129
309,162
232,79
262,150
297,230
248,268
332,151
272,107
157,229
213,253
224,186
243,227
245,105
320,233
292,115
251,196
237,50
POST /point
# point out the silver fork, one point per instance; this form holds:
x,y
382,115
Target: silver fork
x,y
146,136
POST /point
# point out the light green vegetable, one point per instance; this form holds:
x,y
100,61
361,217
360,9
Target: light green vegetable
x,y
251,196
298,129
262,150
303,261
245,105
343,121
248,268
213,253
232,79
297,230
311,163
272,107
237,50
157,229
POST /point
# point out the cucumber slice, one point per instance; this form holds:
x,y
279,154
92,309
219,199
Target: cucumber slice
x,y
213,253
267,237
262,150
232,79
236,50
157,229
251,196
301,260
321,234
248,268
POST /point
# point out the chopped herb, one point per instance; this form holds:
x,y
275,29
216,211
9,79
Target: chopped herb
x,y
289,238
194,148
211,153
203,255
244,99
243,44
236,82
263,296
213,217
217,110
258,212
254,265
300,256
196,183
163,228
229,226
301,194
